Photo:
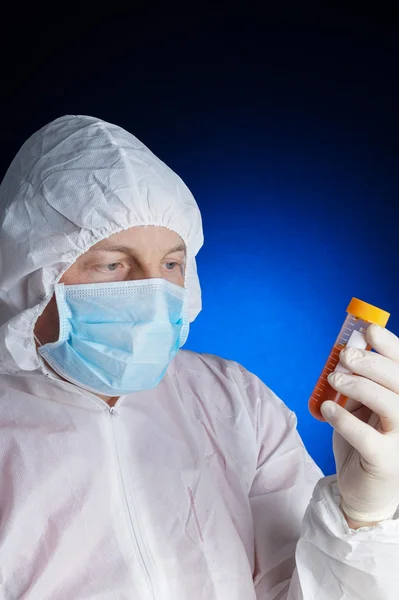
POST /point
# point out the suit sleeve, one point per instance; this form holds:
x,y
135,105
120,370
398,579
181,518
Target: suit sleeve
x,y
304,549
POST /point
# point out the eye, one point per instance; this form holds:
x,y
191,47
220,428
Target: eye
x,y
112,266
171,265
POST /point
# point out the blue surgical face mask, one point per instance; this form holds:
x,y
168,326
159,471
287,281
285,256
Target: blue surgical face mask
x,y
117,338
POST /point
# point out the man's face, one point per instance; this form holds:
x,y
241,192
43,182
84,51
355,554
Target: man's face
x,y
137,253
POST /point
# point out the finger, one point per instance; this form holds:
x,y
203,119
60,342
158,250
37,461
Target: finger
x,y
374,366
376,397
361,436
352,405
384,342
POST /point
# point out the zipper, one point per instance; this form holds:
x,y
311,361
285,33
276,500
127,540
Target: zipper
x,y
81,391
135,531
71,382
113,413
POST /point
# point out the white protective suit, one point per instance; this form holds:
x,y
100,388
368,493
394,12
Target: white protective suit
x,y
195,490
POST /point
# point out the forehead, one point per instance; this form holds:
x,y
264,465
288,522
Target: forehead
x,y
142,239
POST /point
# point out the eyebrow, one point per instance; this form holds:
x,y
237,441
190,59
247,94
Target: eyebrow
x,y
127,250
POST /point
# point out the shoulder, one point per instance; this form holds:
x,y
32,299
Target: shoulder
x,y
230,386
200,367
204,367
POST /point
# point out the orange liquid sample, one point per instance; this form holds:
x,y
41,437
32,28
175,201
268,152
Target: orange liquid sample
x,y
323,390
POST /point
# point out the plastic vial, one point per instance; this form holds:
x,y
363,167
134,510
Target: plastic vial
x,y
352,335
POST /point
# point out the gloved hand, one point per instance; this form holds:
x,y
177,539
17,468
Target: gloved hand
x,y
366,436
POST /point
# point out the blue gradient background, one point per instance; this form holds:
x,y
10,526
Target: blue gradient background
x,y
288,138
290,238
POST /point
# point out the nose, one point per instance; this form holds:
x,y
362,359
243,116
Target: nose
x,y
147,271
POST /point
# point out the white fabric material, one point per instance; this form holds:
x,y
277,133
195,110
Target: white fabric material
x,y
194,490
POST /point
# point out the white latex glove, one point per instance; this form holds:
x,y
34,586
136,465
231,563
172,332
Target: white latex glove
x,y
366,436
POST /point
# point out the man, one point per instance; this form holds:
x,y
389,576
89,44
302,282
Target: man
x,y
131,469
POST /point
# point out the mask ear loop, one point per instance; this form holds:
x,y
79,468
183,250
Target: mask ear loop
x,y
37,340
186,321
